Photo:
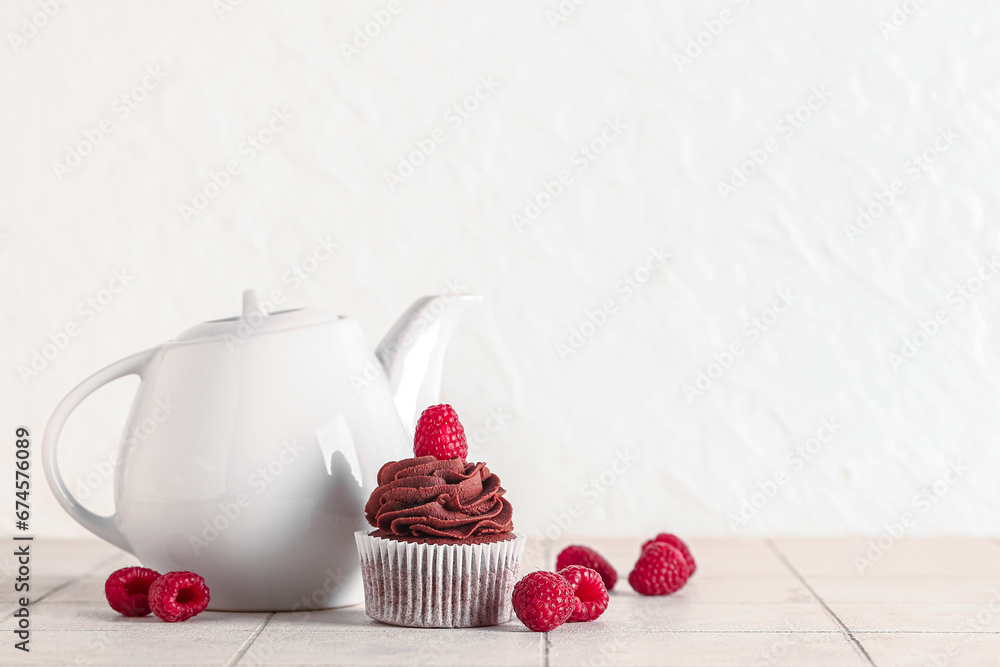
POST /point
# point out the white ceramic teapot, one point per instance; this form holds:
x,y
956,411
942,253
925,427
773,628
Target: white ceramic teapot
x,y
253,443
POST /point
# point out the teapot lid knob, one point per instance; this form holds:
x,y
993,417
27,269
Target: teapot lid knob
x,y
253,308
257,317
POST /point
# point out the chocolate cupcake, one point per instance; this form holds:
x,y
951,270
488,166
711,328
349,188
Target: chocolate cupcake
x,y
444,554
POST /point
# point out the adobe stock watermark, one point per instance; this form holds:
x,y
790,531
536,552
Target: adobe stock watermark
x,y
452,290
922,503
751,331
296,275
901,14
595,488
258,482
623,290
121,108
86,312
972,627
264,652
223,8
794,462
562,12
581,159
775,654
963,293
645,612
607,652
914,168
790,123
248,150
494,423
97,643
140,433
29,26
365,34
301,271
335,579
8,569
372,371
456,115
704,39
261,653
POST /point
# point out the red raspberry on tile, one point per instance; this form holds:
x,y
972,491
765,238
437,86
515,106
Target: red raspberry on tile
x,y
676,543
440,434
660,570
177,596
543,600
576,554
591,595
127,590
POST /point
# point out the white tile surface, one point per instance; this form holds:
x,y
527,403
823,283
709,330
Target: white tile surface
x,y
750,590
915,616
704,650
738,610
375,644
96,615
932,649
905,590
864,557
687,614
125,647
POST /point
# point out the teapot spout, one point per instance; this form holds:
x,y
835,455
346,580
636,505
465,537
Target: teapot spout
x,y
412,353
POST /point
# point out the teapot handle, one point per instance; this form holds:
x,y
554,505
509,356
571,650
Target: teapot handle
x,y
103,526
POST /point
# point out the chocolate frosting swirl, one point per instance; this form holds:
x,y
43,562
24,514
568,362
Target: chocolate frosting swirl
x,y
425,497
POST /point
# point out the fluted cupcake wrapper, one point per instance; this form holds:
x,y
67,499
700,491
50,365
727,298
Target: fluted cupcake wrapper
x,y
439,585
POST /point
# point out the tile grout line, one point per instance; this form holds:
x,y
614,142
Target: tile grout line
x,y
245,646
847,631
44,595
59,587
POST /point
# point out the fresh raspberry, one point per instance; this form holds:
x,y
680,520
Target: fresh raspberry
x,y
543,601
660,570
177,596
440,434
127,590
591,595
676,543
587,557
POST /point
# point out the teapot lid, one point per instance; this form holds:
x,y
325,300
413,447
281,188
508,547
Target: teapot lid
x,y
255,320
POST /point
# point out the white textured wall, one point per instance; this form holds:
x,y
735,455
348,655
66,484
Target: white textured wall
x,y
787,239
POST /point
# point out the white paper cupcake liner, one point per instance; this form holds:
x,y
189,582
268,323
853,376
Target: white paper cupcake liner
x,y
439,585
